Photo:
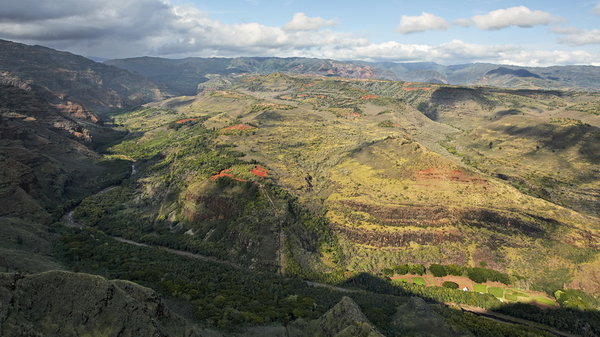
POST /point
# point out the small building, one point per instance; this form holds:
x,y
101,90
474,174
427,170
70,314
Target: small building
x,y
465,289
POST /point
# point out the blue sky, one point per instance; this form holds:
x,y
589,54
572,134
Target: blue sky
x,y
377,19
516,32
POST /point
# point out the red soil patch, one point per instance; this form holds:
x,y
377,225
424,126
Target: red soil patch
x,y
303,95
186,120
368,97
286,97
412,89
224,173
321,96
259,171
239,127
454,175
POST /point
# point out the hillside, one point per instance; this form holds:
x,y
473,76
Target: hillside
x,y
329,179
182,76
296,205
48,164
74,83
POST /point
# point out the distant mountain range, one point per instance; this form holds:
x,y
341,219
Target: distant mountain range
x,y
182,76
70,81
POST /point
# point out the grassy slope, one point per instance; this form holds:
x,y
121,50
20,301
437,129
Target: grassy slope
x,y
395,185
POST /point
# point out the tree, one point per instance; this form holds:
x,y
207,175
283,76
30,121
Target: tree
x,y
450,285
438,270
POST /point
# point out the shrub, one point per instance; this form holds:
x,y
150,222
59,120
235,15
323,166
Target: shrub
x,y
388,272
456,270
386,124
416,269
401,269
438,270
450,285
481,275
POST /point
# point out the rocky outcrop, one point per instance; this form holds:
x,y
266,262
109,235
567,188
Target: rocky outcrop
x,y
74,82
67,304
417,318
345,319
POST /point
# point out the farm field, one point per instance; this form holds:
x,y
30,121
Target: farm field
x,y
498,290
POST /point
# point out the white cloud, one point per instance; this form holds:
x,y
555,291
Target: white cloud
x,y
128,28
421,23
302,22
462,22
515,16
597,9
577,37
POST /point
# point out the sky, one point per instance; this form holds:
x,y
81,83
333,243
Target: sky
x,y
528,33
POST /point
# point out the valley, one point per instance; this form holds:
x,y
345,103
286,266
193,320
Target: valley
x,y
270,203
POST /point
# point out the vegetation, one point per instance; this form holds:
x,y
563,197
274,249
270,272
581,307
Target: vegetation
x,y
450,285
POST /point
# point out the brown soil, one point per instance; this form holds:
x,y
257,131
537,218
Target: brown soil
x,y
238,127
181,121
453,175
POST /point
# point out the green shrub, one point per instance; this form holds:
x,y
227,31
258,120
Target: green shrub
x,y
438,270
481,275
456,270
450,285
418,269
386,124
575,299
401,269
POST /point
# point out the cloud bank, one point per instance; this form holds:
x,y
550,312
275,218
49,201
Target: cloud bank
x,y
128,28
421,23
520,16
302,22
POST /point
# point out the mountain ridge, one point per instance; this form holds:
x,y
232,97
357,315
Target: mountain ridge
x,y
554,77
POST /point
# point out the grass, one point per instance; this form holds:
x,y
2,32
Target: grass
x,y
511,297
544,300
516,292
419,281
480,288
497,292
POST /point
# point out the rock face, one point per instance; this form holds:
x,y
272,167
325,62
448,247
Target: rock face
x,y
345,319
416,318
47,158
74,83
72,304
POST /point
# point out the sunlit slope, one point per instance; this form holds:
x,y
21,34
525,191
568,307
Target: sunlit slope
x,y
395,170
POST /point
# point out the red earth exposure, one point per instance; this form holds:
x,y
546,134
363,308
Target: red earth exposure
x,y
260,171
186,120
239,127
224,173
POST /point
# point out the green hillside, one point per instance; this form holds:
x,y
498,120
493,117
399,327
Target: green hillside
x,y
299,205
